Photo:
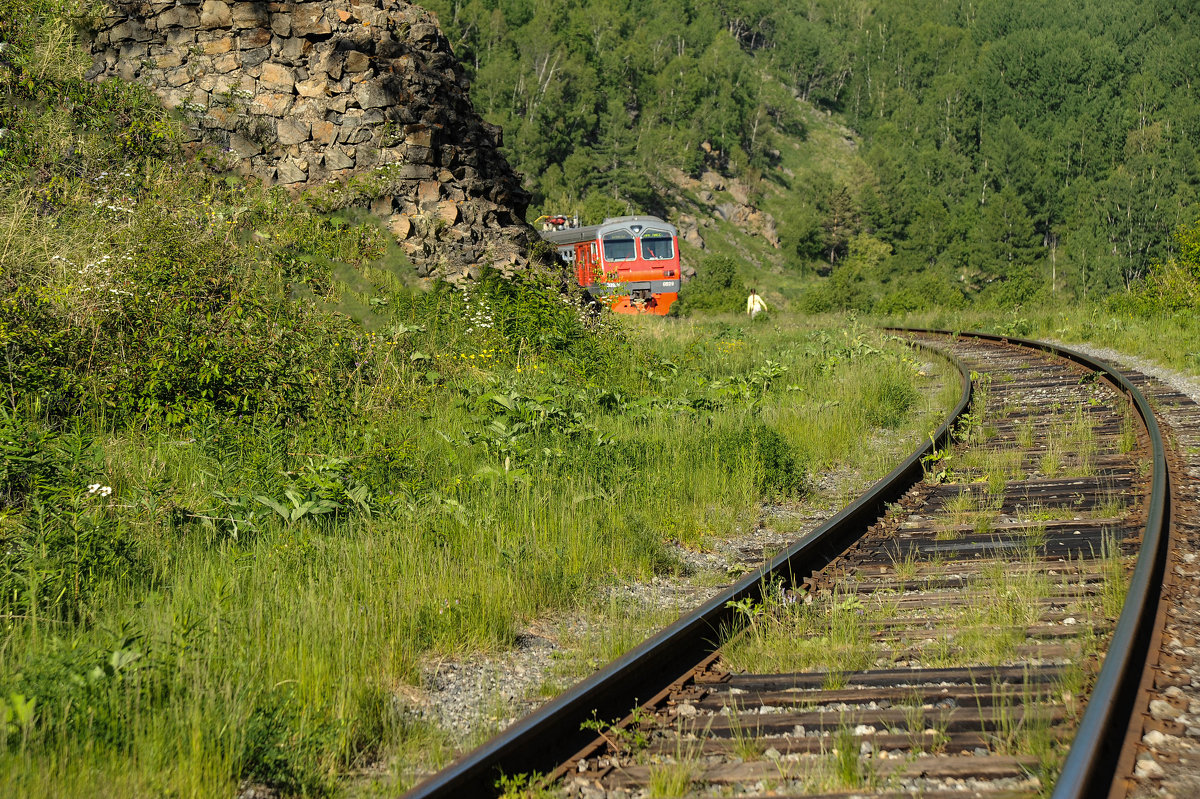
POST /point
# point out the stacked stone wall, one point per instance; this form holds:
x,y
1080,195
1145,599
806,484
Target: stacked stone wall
x,y
350,102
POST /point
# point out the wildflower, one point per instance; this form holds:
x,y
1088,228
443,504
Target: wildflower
x,y
99,490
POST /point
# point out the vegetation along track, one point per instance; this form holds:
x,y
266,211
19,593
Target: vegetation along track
x,y
940,635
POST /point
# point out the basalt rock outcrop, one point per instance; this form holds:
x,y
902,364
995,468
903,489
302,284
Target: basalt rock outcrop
x,y
348,102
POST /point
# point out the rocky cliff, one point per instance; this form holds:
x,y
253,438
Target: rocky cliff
x,y
346,102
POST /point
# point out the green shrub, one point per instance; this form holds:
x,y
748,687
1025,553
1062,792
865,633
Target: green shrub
x,y
716,288
282,745
777,470
926,291
41,354
1170,287
84,687
1021,286
888,399
844,290
69,544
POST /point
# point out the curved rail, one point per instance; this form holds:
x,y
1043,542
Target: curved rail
x,y
553,733
1091,763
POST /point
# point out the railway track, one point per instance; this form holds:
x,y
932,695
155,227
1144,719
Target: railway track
x,y
940,636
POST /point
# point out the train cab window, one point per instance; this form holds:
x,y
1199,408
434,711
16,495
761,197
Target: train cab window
x,y
657,245
619,246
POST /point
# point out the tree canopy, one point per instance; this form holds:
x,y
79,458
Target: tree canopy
x,y
1052,142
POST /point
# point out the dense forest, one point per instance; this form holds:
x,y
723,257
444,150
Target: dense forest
x,y
1009,149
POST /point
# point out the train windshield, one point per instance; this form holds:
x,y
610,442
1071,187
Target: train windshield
x,y
619,246
657,245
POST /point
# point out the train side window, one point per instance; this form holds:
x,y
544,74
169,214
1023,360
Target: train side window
x,y
657,245
619,246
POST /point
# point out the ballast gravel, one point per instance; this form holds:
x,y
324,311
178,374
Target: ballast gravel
x,y
1185,384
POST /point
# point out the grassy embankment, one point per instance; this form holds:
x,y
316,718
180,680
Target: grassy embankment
x,y
253,477
1166,338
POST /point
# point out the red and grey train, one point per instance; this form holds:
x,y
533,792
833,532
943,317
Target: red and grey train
x,y
629,263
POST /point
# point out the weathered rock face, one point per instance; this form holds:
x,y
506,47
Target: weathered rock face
x,y
352,102
741,212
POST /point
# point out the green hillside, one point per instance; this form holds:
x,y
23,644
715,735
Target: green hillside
x,y
1003,152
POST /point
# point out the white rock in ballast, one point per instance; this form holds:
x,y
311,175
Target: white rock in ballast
x,y
1161,709
1147,767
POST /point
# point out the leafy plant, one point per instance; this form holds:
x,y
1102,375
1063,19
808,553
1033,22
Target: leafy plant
x,y
321,488
281,747
621,737
716,288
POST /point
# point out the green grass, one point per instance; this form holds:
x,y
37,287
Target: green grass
x,y
1116,579
1165,338
748,744
1112,506
306,628
832,633
976,508
1128,442
849,767
962,506
1025,434
924,734
672,779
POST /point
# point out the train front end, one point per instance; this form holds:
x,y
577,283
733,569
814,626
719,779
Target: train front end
x,y
629,263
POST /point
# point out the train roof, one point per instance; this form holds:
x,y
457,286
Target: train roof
x,y
575,235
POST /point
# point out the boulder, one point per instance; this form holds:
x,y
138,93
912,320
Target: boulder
x,y
289,171
712,181
308,19
356,62
399,225
215,14
179,17
338,158
249,15
276,78
291,131
448,212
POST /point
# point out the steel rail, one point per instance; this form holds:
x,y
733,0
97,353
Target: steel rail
x,y
548,736
1089,769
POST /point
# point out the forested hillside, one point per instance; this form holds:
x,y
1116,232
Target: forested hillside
x,y
1010,149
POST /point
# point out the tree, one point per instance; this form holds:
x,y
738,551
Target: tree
x,y
1004,238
